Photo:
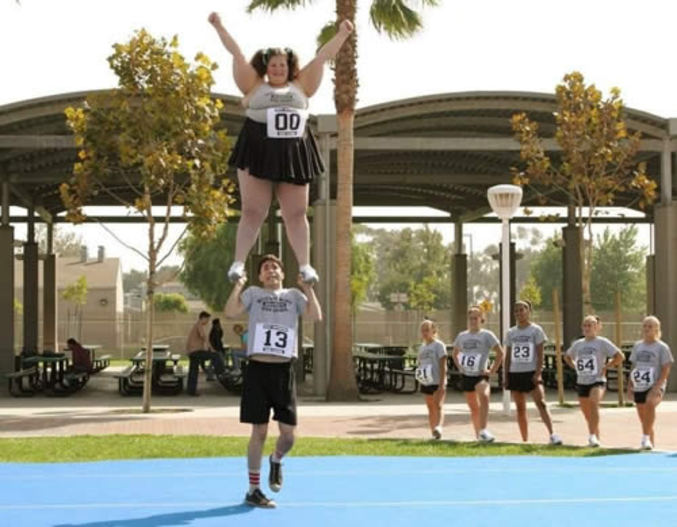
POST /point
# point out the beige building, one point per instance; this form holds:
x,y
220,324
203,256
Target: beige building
x,y
98,321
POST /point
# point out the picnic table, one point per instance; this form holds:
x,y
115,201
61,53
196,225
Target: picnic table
x,y
99,362
50,374
378,372
166,375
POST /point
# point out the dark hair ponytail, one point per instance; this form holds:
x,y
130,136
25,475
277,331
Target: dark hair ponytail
x,y
261,58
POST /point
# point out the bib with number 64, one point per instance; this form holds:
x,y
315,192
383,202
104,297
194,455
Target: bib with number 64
x,y
274,339
285,123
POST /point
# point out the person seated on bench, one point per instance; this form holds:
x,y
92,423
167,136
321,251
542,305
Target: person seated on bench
x,y
241,353
198,349
82,362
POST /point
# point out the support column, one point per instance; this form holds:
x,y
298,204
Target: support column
x,y
459,284
49,296
6,287
572,280
323,257
650,284
513,280
30,281
665,262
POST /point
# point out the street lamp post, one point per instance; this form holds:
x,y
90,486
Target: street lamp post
x,y
504,201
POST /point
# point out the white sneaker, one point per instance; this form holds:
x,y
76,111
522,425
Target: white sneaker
x,y
486,436
437,432
236,271
593,441
555,439
646,443
309,275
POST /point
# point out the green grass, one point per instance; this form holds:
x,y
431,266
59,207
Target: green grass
x,y
97,448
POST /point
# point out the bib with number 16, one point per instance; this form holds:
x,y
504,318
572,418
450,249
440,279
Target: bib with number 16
x,y
274,339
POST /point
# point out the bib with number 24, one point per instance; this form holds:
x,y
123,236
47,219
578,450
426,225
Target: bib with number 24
x,y
642,378
285,123
274,339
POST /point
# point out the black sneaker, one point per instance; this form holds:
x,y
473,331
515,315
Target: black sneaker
x,y
256,498
275,475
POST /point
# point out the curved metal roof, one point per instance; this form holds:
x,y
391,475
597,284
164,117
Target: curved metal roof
x,y
441,150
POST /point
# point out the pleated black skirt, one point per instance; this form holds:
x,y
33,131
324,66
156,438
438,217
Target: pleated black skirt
x,y
295,160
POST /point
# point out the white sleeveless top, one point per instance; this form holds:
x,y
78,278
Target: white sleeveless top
x,y
266,96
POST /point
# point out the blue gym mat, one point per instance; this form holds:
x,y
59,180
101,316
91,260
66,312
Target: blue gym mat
x,y
635,490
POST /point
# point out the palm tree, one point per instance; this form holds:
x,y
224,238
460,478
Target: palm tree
x,y
397,20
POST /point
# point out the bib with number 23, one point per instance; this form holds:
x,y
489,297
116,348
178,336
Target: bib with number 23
x,y
274,339
285,123
522,352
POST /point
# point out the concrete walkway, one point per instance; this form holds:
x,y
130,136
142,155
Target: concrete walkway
x,y
99,410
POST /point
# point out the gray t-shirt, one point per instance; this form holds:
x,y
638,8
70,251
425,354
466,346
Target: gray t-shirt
x,y
521,344
589,357
429,355
273,320
648,360
474,350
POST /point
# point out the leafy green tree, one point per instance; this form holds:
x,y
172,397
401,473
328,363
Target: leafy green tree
x,y
206,266
64,243
531,291
133,280
596,163
18,307
76,296
152,141
620,265
546,270
398,20
421,295
361,273
170,303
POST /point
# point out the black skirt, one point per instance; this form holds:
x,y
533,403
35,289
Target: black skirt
x,y
295,160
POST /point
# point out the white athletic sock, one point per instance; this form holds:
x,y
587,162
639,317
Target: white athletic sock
x,y
254,480
645,437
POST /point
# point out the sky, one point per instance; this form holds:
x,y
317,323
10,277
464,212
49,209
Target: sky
x,y
51,47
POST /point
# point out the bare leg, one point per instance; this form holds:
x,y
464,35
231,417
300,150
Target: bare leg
x,y
650,415
596,395
255,195
433,418
473,404
255,449
293,201
521,406
286,440
585,409
538,396
482,389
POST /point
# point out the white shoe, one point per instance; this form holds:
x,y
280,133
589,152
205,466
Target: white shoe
x,y
437,432
486,436
236,271
646,443
593,441
309,275
555,439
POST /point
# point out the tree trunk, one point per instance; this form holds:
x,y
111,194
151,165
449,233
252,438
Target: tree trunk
x,y
150,316
586,260
342,383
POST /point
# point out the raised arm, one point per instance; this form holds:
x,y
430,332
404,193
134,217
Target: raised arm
x,y
234,305
310,76
244,73
313,310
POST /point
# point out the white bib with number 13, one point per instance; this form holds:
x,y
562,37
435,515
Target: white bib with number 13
x,y
274,339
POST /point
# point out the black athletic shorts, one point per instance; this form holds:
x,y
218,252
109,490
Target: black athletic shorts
x,y
583,390
468,382
640,397
268,386
429,389
522,381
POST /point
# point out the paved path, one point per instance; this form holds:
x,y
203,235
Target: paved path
x,y
99,410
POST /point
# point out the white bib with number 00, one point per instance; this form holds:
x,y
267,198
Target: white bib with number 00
x,y
587,365
522,352
424,374
274,339
642,378
470,362
285,123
